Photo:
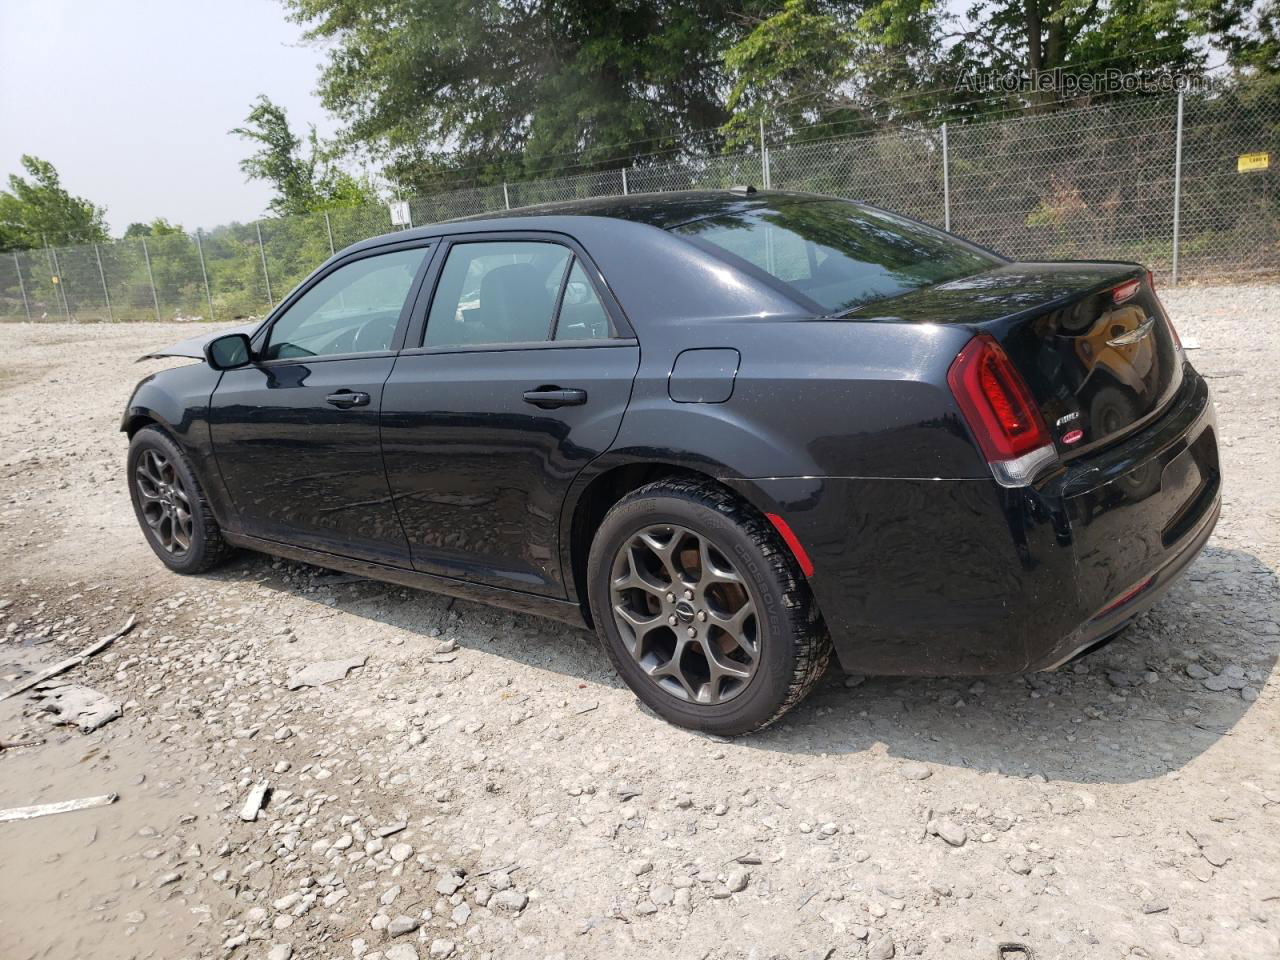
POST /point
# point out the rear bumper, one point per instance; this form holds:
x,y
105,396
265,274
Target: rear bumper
x,y
963,577
1128,608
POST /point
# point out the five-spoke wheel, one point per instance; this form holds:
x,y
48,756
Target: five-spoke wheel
x,y
685,613
165,502
702,609
170,504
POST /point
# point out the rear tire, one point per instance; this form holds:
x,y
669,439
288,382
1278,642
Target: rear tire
x,y
702,609
171,506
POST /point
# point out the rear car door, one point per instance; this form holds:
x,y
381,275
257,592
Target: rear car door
x,y
516,377
295,433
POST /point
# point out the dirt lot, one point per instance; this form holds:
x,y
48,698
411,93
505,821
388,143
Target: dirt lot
x,y
483,786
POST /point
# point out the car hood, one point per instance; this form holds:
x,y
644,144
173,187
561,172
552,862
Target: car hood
x,y
194,346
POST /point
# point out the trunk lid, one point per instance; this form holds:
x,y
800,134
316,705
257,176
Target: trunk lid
x,y
1091,340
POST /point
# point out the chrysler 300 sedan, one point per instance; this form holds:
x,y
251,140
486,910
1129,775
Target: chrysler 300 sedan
x,y
731,431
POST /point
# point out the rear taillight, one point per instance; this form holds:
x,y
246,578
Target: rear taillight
x,y
1000,412
1126,291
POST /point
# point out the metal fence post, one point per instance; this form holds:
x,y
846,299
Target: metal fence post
x,y
151,278
1177,190
102,275
946,181
765,179
625,189
328,228
62,286
26,305
262,252
506,197
208,294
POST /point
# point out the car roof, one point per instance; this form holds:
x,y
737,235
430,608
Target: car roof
x,y
661,210
664,210
627,238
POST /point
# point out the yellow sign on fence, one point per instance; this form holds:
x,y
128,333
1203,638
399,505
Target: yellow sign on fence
x,y
1252,162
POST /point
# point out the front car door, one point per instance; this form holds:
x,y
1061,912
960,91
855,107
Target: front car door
x,y
518,378
295,433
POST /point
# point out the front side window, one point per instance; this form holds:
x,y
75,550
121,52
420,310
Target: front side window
x,y
497,292
838,254
354,309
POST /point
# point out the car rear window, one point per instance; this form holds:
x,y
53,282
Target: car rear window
x,y
838,254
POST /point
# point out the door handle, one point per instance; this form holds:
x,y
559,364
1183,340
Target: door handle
x,y
549,398
346,399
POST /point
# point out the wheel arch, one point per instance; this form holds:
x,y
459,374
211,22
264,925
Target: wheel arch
x,y
593,496
135,420
187,426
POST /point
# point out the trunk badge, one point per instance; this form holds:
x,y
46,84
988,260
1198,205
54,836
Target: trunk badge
x,y
1133,336
1073,436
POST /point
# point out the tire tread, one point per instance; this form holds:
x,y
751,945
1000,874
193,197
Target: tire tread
x,y
809,637
216,550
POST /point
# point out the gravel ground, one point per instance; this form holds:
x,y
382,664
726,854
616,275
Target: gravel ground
x,y
479,784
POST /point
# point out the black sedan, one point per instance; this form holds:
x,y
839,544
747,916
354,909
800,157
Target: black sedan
x,y
730,430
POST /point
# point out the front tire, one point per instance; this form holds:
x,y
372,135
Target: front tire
x,y
170,504
702,609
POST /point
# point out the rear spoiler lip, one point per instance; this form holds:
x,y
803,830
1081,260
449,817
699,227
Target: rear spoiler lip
x,y
913,307
1129,271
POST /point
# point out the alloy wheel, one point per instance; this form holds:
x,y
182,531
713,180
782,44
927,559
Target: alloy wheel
x,y
685,614
164,501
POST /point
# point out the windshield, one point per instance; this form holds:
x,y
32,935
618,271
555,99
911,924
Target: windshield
x,y
838,254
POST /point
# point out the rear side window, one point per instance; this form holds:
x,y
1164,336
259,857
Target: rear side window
x,y
837,254
519,291
497,293
582,316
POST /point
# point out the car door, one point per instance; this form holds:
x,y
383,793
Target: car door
x,y
518,379
295,433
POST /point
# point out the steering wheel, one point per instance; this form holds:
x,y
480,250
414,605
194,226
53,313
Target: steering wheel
x,y
372,335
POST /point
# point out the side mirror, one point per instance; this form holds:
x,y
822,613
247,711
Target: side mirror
x,y
228,352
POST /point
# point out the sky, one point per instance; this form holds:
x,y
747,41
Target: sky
x,y
131,100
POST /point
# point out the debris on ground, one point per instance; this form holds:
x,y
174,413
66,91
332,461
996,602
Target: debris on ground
x,y
101,644
324,671
63,806
14,744
78,705
254,802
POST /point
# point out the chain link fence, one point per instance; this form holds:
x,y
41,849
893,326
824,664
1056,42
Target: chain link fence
x,y
1155,180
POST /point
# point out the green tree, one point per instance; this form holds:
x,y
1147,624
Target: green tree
x,y
305,181
1249,30
442,90
40,211
159,227
816,67
1081,37
789,68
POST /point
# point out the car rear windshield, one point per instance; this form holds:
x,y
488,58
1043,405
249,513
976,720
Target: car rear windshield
x,y
838,254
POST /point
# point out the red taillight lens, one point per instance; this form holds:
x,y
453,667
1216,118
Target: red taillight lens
x,y
995,401
1126,291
